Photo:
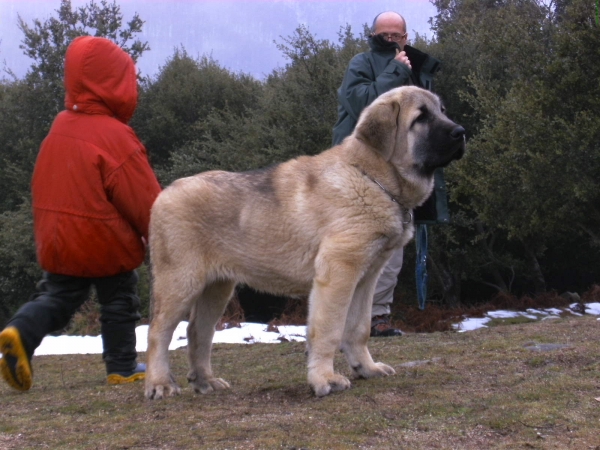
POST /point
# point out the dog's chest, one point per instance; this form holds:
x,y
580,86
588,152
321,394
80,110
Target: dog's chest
x,y
402,233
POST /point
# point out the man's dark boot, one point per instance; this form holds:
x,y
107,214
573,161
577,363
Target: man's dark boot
x,y
382,327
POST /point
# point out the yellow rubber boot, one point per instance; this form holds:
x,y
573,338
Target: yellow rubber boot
x,y
15,367
139,373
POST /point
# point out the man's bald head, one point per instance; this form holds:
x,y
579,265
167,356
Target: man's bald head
x,y
389,22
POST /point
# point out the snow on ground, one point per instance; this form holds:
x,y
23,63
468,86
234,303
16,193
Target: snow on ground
x,y
247,333
251,333
470,324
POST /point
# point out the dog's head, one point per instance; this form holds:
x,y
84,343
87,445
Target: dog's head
x,y
409,128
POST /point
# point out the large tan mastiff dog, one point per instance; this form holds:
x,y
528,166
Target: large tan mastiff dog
x,y
322,225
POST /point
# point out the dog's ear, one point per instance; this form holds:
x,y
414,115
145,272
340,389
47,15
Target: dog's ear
x,y
377,127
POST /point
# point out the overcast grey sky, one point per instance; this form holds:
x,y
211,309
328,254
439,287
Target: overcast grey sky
x,y
237,33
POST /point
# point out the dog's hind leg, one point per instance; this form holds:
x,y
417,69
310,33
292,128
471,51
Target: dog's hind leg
x,y
206,312
357,332
172,304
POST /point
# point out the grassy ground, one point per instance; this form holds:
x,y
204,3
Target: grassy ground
x,y
491,388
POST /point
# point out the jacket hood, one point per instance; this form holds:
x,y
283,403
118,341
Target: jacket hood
x,y
100,78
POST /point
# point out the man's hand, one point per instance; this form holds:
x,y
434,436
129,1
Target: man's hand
x,y
401,57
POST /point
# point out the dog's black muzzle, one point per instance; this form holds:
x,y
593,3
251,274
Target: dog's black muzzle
x,y
444,145
459,136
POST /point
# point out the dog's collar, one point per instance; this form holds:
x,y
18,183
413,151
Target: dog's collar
x,y
404,210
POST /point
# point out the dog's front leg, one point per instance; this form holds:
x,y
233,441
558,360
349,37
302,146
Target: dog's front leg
x,y
328,305
357,331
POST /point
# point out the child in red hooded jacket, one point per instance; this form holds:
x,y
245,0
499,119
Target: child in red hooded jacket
x,y
92,191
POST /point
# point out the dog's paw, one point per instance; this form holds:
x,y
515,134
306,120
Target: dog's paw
x,y
373,371
206,386
159,391
326,385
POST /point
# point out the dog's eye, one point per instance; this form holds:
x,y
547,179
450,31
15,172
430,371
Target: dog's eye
x,y
421,118
443,109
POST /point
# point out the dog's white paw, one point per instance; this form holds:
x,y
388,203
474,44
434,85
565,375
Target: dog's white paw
x,y
373,371
206,386
159,391
323,386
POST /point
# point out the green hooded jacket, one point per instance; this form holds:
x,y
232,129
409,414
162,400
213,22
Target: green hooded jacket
x,y
369,75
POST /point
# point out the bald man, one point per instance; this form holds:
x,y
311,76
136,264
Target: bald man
x,y
370,74
373,73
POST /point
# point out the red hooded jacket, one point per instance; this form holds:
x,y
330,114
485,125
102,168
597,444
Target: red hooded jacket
x,y
92,185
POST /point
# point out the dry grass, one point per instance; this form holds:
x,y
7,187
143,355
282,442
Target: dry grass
x,y
482,389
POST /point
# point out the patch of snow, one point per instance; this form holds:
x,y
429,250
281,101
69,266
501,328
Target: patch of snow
x,y
471,324
503,314
247,333
592,308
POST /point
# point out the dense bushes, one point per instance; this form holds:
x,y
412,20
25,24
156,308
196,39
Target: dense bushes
x,y
521,76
